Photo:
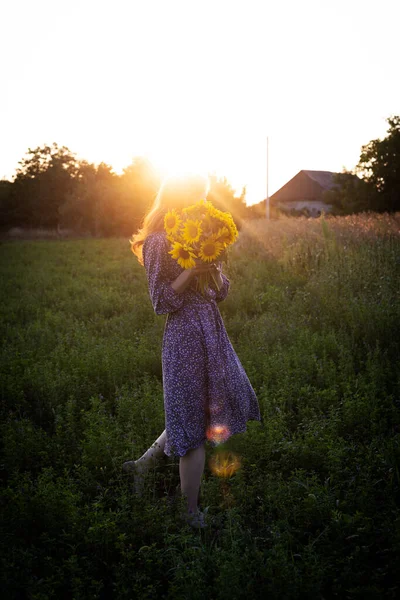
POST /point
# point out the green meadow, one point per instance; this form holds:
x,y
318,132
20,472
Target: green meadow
x,y
313,511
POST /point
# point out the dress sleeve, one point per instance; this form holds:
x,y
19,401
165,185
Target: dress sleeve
x,y
223,292
163,297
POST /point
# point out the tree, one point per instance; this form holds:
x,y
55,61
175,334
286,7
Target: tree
x,y
139,183
52,188
223,197
91,205
44,179
5,204
350,194
379,165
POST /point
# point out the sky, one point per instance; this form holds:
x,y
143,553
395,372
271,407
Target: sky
x,y
199,85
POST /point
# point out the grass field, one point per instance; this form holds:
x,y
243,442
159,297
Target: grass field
x,y
313,511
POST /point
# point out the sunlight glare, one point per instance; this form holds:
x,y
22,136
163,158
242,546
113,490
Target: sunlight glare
x,y
224,464
218,433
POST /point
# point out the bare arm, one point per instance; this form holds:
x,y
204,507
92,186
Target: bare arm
x,y
184,279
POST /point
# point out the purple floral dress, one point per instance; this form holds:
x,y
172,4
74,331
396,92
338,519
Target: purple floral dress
x,y
207,394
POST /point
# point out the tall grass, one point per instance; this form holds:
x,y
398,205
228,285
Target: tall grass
x,y
313,512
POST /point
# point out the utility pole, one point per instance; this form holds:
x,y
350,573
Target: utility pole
x,y
267,201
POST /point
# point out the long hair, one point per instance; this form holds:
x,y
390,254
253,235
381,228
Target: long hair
x,y
174,192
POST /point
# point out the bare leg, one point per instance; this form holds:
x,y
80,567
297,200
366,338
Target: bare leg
x,y
155,451
191,467
141,465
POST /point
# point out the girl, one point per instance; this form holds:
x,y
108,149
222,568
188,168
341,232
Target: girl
x,y
207,394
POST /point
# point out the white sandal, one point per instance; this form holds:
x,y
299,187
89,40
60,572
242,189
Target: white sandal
x,y
197,519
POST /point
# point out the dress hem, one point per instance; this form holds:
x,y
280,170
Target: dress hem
x,y
213,444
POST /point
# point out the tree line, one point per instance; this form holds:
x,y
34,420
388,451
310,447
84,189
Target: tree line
x,y
52,189
374,184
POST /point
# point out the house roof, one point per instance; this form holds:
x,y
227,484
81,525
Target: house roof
x,y
323,178
319,180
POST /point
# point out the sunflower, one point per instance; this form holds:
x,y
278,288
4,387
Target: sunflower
x,y
210,249
224,236
212,210
229,223
172,222
191,231
208,224
234,231
183,254
223,216
216,213
223,219
196,209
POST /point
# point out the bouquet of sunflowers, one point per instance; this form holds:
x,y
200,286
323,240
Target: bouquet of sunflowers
x,y
200,231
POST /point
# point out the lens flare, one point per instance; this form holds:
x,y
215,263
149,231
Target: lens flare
x,y
218,433
224,464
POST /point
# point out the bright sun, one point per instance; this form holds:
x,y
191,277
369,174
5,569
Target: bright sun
x,y
171,152
178,155
176,152
194,151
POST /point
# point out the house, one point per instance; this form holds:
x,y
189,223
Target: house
x,y
303,193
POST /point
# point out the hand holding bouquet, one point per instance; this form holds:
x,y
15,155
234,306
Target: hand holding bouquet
x,y
200,234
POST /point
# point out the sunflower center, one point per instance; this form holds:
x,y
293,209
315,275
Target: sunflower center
x,y
184,253
209,249
192,230
171,222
